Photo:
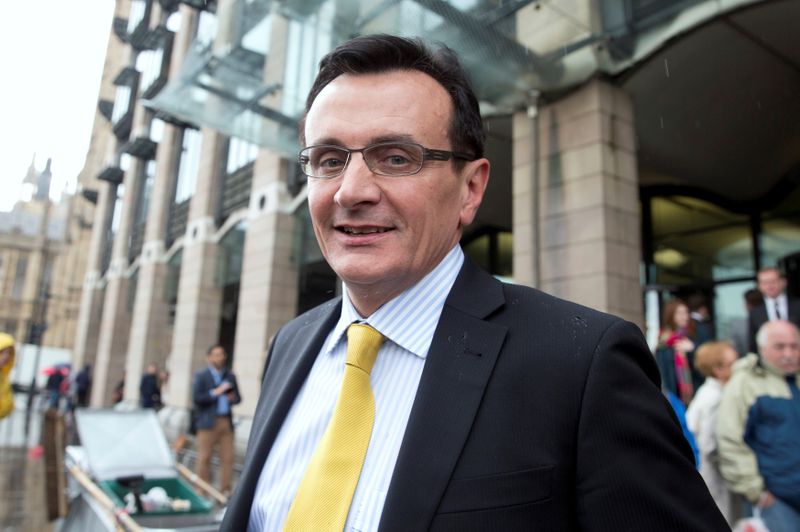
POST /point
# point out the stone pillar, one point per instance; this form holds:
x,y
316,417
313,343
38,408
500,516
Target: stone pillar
x,y
91,308
112,343
589,244
151,335
268,293
268,290
198,310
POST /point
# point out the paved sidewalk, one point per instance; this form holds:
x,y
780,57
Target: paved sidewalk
x,y
22,490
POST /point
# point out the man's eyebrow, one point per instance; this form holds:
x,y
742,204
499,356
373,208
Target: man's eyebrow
x,y
400,137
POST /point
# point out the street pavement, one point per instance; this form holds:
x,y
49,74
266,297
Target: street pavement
x,y
22,490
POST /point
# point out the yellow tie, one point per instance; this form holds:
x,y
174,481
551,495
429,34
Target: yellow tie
x,y
326,491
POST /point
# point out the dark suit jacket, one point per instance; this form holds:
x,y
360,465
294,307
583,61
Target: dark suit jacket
x,y
149,393
759,316
205,406
532,413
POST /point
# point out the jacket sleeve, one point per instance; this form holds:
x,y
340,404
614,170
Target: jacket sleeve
x,y
635,470
200,390
737,462
699,419
6,397
237,397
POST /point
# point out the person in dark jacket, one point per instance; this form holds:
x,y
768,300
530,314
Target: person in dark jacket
x,y
149,388
214,392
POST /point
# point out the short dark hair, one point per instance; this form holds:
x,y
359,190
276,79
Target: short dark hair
x,y
214,346
375,54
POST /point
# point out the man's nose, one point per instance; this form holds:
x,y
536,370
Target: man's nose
x,y
357,185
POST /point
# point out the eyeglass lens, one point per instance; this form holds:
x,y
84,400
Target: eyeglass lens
x,y
393,159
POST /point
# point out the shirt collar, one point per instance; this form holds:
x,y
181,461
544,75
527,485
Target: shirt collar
x,y
420,305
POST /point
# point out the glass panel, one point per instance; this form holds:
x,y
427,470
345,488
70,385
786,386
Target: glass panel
x,y
122,102
171,283
217,85
117,214
174,21
240,153
696,242
144,193
781,230
189,165
137,13
729,308
307,41
206,28
229,271
156,130
149,64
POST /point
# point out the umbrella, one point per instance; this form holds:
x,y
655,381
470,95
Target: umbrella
x,y
63,368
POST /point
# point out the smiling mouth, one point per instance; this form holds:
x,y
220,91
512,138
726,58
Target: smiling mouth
x,y
362,230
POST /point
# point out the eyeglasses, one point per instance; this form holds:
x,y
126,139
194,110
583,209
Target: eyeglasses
x,y
326,161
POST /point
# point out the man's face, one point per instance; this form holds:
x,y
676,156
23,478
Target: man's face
x,y
783,347
383,234
217,357
770,283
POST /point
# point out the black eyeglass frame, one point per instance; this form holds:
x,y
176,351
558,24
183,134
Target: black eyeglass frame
x,y
428,154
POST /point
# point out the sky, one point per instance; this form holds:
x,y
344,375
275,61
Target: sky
x,y
51,55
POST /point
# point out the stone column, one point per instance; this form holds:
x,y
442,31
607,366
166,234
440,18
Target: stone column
x,y
268,293
88,328
268,290
198,310
589,244
151,335
112,343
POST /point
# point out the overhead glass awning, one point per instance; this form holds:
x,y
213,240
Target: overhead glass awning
x,y
252,81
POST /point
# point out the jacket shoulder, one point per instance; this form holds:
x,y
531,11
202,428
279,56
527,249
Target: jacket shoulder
x,y
543,306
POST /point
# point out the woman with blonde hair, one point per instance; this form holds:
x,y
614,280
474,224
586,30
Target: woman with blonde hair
x,y
714,360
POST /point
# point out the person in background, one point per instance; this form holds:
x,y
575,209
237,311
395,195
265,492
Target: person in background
x,y
740,327
53,387
714,360
776,305
758,427
149,388
119,390
7,355
214,392
703,327
671,352
83,384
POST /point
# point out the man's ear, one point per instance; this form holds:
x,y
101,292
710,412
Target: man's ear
x,y
476,176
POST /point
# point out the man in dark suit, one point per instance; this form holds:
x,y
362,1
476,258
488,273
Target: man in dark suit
x,y
496,407
777,305
214,392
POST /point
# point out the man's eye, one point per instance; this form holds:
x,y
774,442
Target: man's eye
x,y
330,160
396,160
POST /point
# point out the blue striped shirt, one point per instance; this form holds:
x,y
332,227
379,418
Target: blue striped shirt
x,y
408,322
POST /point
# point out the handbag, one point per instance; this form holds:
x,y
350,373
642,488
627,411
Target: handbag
x,y
751,524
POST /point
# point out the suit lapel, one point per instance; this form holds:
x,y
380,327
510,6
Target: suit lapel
x,y
459,364
285,376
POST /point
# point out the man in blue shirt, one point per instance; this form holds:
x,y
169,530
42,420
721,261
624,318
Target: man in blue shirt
x,y
214,392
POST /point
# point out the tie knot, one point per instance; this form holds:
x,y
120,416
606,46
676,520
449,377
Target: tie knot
x,y
363,343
